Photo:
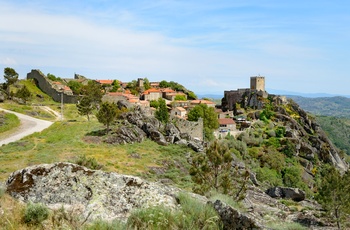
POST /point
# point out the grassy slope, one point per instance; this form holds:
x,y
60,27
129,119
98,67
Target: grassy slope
x,y
64,142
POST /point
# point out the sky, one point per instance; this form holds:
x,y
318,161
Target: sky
x,y
207,46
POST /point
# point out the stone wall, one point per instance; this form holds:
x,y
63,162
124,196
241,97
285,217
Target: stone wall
x,y
193,128
44,84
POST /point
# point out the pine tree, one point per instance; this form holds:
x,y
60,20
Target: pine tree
x,y
214,170
162,111
11,77
334,194
24,94
107,114
85,107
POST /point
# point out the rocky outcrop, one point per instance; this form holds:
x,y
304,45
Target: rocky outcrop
x,y
135,126
91,194
232,219
287,193
98,194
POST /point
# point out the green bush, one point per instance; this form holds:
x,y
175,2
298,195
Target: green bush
x,y
105,225
269,176
88,162
192,215
35,213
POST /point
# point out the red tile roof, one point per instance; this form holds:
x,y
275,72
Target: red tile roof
x,y
202,102
105,81
152,90
226,121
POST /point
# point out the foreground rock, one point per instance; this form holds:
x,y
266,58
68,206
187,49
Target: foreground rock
x,y
91,195
96,193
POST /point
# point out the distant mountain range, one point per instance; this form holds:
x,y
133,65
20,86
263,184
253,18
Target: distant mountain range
x,y
319,104
218,95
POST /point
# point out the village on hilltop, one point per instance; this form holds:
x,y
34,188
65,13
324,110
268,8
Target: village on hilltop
x,y
178,102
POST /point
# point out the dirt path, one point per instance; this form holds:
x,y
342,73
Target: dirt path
x,y
28,126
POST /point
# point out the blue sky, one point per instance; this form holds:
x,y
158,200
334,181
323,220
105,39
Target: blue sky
x,y
208,46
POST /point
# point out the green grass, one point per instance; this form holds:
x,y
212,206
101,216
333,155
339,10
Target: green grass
x,y
67,141
192,215
8,121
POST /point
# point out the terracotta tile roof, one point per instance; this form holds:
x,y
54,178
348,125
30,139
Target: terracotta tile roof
x,y
202,102
66,88
181,109
226,121
168,90
152,90
105,81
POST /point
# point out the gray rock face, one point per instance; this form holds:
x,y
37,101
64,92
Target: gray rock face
x,y
104,195
288,193
137,126
124,135
2,97
233,219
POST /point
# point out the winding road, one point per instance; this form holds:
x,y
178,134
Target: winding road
x,y
29,125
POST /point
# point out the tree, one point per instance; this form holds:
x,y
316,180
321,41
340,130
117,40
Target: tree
x,y
164,84
94,92
210,118
154,104
180,98
191,95
146,84
24,94
107,114
85,107
75,86
11,77
162,111
115,86
334,194
213,170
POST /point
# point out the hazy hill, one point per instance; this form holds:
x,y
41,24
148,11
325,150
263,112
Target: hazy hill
x,y
327,106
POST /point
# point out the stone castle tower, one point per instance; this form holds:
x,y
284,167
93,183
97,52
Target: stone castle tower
x,y
257,83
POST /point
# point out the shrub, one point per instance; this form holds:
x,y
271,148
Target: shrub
x,y
269,176
192,215
153,218
105,225
88,162
35,213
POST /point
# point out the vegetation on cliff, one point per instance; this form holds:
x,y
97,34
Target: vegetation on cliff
x,y
283,146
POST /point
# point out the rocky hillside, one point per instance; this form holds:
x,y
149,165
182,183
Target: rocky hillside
x,y
92,195
283,149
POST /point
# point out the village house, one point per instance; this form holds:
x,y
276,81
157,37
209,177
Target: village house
x,y
197,102
151,94
104,82
226,124
179,112
226,114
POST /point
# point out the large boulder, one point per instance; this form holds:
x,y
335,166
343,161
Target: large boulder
x,y
233,219
98,194
124,135
295,194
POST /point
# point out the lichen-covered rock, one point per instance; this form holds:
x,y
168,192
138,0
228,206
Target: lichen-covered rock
x,y
233,219
99,194
124,135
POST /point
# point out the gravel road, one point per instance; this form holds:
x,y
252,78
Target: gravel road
x,y
28,126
